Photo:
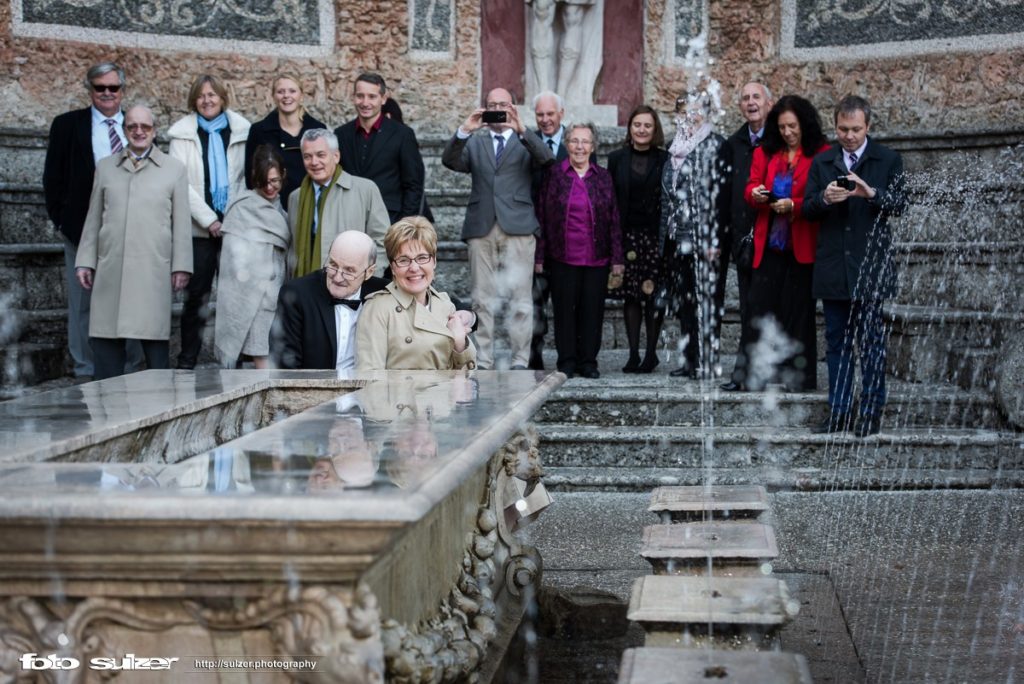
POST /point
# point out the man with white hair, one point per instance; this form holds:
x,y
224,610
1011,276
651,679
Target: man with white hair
x,y
315,325
328,202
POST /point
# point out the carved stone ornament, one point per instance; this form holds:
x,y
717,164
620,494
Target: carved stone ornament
x,y
451,646
342,628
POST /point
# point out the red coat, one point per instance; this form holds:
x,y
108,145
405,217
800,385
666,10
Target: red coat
x,y
804,233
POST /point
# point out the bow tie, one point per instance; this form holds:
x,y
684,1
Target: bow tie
x,y
350,303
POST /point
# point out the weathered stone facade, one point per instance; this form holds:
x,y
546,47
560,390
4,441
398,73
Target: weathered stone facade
x,y
964,71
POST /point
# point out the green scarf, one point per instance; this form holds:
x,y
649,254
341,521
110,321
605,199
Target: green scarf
x,y
308,257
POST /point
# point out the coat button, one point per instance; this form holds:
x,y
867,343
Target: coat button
x,y
398,308
408,340
471,365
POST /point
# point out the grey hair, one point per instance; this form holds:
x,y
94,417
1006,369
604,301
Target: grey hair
x,y
142,105
549,93
585,124
318,133
102,69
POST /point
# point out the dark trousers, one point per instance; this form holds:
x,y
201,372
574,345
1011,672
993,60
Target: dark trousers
x,y
747,334
846,321
541,292
205,260
781,290
577,301
109,355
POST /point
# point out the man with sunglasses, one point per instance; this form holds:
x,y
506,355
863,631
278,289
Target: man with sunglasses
x,y
79,139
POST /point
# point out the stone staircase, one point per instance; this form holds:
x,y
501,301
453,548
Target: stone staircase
x,y
634,432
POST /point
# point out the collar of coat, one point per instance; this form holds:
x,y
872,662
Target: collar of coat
x,y
406,300
154,154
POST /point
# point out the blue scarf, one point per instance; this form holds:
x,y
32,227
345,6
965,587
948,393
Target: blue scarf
x,y
216,159
782,188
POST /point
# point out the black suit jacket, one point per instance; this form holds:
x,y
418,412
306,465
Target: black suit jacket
x,y
737,155
392,161
304,334
854,255
68,172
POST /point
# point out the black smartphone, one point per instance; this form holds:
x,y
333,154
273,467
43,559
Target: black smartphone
x,y
772,197
846,183
493,116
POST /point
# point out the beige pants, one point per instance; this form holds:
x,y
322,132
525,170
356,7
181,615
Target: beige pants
x,y
502,274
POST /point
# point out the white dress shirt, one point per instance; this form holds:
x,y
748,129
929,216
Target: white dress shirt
x,y
859,152
345,320
100,136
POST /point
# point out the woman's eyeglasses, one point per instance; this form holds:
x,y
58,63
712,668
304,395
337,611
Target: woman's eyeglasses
x,y
406,262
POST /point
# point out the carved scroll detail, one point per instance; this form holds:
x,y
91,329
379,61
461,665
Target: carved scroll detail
x,y
451,646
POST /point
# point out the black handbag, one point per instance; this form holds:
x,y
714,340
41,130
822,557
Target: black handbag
x,y
745,253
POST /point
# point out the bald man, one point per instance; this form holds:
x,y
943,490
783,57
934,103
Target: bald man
x,y
500,222
315,325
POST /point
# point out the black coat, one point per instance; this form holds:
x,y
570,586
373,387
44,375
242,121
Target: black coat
x,y
392,161
267,131
68,172
737,154
854,257
304,334
620,163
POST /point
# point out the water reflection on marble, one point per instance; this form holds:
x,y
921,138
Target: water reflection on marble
x,y
389,436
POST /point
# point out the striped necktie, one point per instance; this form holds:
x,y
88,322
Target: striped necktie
x,y
853,160
115,139
501,148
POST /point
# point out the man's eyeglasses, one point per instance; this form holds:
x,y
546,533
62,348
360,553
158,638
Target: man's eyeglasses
x,y
406,262
146,128
105,88
345,273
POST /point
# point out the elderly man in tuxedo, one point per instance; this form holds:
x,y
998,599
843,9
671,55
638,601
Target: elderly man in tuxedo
x,y
78,140
853,189
500,223
315,325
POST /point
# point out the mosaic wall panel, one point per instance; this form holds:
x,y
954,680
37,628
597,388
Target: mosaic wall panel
x,y
287,27
813,28
430,27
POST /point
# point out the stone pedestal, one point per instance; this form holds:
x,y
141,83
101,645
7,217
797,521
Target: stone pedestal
x,y
723,549
646,665
719,502
715,612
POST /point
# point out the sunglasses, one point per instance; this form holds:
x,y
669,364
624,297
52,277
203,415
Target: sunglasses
x,y
106,88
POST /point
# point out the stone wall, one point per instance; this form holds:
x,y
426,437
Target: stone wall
x,y
962,80
957,74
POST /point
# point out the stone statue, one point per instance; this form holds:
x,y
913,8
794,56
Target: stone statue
x,y
564,43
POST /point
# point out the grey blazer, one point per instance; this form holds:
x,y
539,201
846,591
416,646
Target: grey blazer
x,y
500,193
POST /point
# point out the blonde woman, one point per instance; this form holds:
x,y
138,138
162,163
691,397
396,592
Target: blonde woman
x,y
409,325
282,130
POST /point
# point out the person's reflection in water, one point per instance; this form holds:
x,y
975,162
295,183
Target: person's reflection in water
x,y
412,454
351,460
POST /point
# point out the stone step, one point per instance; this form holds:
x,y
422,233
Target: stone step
x,y
577,404
724,448
643,479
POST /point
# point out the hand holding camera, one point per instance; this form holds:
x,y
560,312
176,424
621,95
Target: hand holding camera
x,y
845,187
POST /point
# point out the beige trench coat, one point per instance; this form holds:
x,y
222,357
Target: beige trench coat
x,y
396,333
137,232
353,204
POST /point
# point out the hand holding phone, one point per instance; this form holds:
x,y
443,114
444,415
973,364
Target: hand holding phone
x,y
846,183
